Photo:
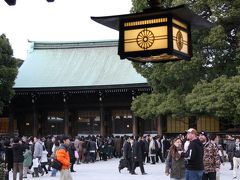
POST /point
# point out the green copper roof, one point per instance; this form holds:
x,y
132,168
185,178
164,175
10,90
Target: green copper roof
x,y
75,64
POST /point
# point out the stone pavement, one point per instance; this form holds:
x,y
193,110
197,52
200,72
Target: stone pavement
x,y
108,170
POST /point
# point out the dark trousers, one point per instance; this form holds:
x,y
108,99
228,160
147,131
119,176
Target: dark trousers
x,y
138,163
71,167
146,157
159,156
92,156
153,159
230,158
37,170
7,175
129,163
17,167
43,166
209,176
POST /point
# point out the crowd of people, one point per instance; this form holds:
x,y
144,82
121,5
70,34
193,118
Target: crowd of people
x,y
189,156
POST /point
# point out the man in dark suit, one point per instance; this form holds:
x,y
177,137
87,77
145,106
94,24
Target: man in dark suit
x,y
137,156
127,153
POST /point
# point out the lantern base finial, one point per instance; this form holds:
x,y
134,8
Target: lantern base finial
x,y
155,4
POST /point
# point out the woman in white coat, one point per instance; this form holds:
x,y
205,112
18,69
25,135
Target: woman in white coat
x,y
152,150
44,160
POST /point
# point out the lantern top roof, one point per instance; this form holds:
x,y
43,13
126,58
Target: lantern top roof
x,y
182,12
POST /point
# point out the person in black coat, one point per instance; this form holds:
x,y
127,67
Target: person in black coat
x,y
143,148
146,147
18,150
127,153
72,156
8,155
194,156
49,146
137,156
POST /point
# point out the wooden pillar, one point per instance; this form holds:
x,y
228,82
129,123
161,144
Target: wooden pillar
x,y
74,123
159,125
103,129
45,123
11,121
113,125
66,115
135,125
35,120
103,123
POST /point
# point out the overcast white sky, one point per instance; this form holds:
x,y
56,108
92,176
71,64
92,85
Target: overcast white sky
x,y
62,20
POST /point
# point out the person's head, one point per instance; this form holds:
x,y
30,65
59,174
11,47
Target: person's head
x,y
127,138
43,139
131,139
176,145
191,134
53,139
180,136
65,140
136,138
24,139
229,137
35,139
177,142
16,140
237,140
203,137
214,137
7,143
56,143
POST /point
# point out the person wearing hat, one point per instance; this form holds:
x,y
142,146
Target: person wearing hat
x,y
194,156
211,159
203,137
62,155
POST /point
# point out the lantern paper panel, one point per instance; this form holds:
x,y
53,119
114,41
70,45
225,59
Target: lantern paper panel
x,y
145,39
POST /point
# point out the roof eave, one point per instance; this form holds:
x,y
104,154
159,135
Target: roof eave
x,y
181,11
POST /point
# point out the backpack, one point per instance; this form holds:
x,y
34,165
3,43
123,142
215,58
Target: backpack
x,y
56,164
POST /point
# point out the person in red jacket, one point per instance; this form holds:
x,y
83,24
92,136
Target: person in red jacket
x,y
62,155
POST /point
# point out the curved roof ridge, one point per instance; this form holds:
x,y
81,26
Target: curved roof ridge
x,y
72,44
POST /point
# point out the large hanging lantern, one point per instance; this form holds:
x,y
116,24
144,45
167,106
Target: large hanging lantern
x,y
155,35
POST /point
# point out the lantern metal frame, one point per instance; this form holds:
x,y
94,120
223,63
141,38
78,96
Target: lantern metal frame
x,y
168,53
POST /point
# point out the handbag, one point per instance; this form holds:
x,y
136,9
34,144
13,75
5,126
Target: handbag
x,y
76,154
35,162
56,164
153,151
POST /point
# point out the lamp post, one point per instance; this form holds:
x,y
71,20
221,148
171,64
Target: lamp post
x,y
155,35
